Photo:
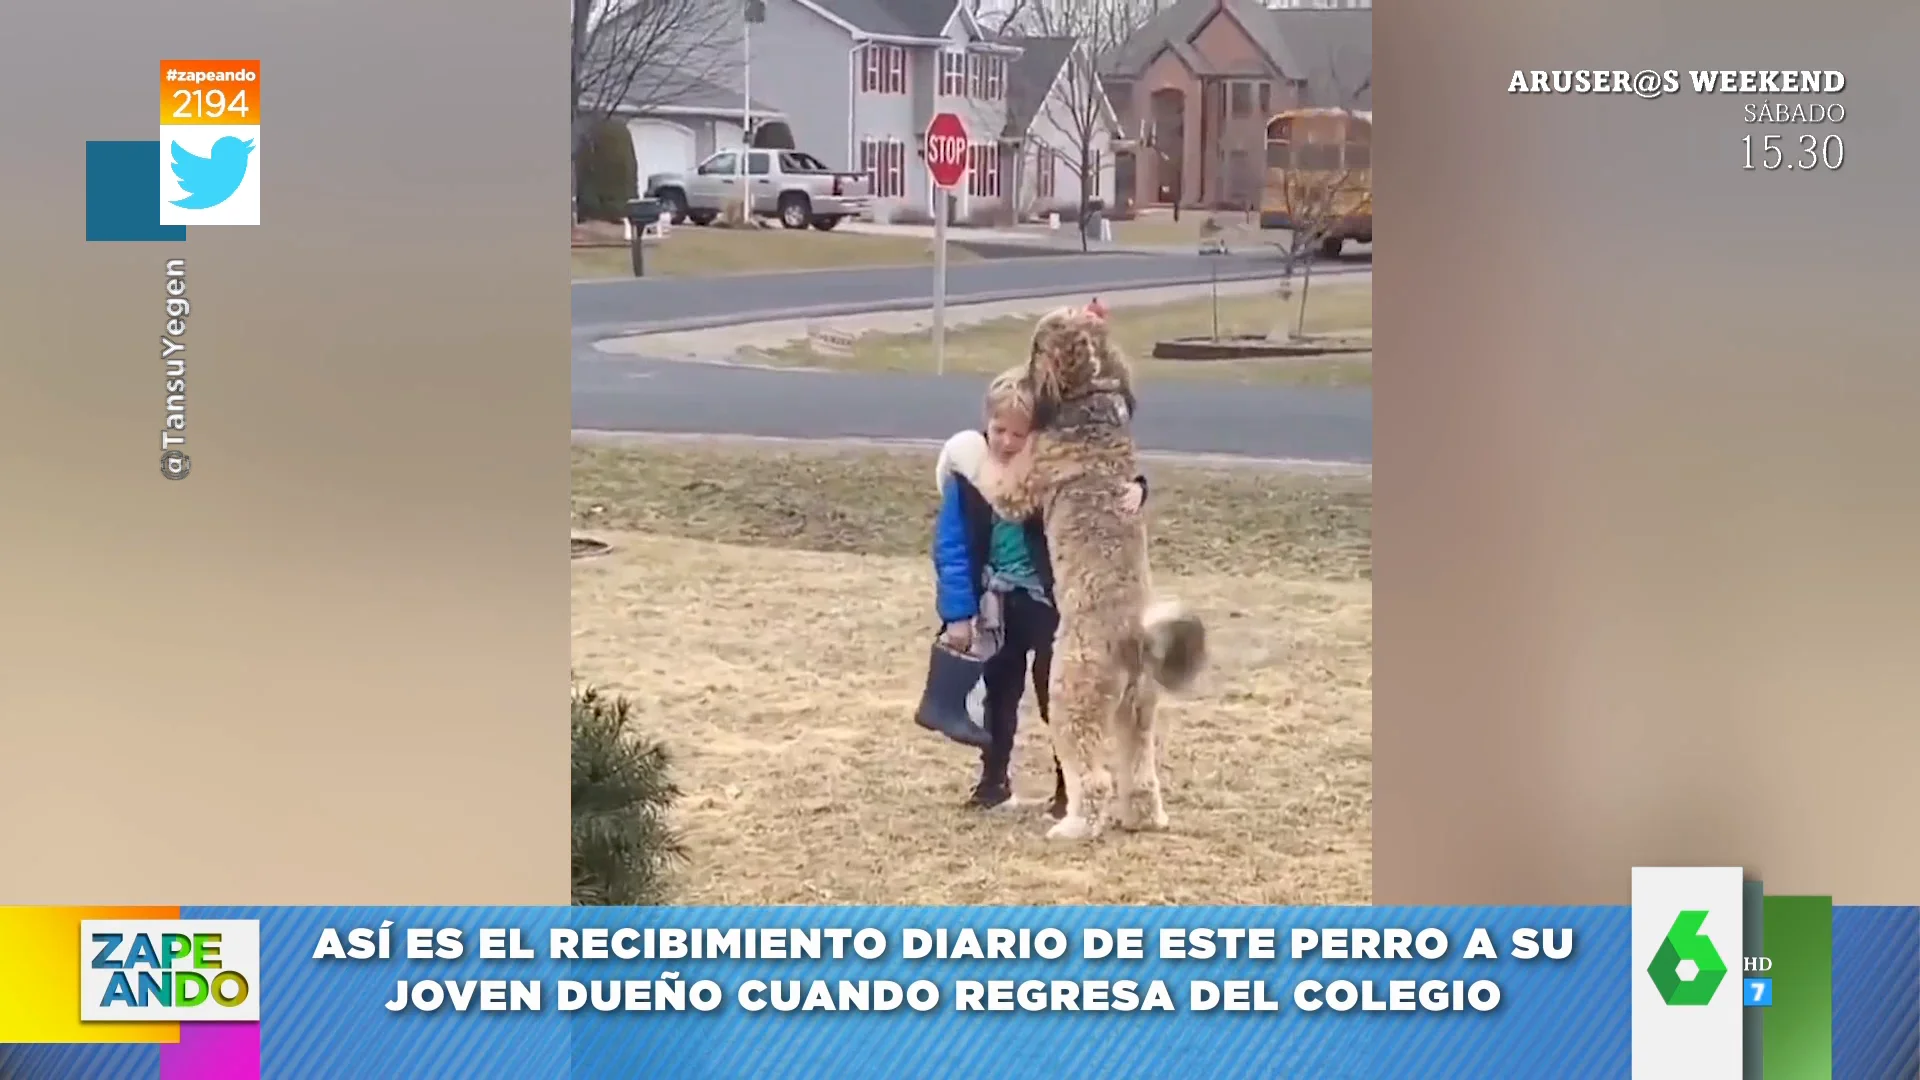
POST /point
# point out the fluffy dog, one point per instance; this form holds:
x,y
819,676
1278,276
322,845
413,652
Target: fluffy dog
x,y
1116,648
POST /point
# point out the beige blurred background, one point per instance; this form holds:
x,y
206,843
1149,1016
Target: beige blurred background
x,y
329,666
1648,586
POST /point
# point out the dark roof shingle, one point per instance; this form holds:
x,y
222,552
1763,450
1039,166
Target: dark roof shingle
x,y
719,96
1031,77
1332,50
895,18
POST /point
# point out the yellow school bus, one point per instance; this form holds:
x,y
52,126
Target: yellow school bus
x,y
1320,173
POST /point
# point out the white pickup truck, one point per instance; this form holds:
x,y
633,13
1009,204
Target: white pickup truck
x,y
788,184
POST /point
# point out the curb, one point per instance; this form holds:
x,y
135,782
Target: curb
x,y
977,245
918,303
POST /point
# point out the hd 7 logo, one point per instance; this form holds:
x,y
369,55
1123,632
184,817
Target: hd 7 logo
x,y
1687,969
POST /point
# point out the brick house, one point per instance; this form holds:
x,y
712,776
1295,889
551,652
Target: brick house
x,y
1193,89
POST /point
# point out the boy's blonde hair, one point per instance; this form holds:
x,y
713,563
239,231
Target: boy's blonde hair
x,y
1010,390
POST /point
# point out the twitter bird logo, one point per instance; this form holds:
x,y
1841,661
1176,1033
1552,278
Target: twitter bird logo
x,y
211,180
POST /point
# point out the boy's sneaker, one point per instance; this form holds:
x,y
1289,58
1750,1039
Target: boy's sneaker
x,y
990,796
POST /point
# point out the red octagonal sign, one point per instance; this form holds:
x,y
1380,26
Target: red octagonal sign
x,y
947,150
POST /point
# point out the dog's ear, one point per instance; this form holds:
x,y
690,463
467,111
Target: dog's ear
x,y
1044,375
1046,390
1115,369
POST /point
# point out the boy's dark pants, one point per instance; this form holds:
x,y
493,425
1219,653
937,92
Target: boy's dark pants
x,y
1029,626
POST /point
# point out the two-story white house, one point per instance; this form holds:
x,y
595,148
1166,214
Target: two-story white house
x,y
858,80
1058,113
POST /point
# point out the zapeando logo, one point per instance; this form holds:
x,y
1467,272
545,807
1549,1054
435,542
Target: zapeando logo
x,y
170,970
1685,944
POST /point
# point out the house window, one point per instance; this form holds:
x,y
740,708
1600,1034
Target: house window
x,y
883,69
1240,98
1266,99
987,77
953,74
1045,162
983,170
885,163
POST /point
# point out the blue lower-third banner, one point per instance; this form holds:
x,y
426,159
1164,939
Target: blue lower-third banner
x,y
855,993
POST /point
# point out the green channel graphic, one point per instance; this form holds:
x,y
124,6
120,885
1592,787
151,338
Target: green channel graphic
x,y
1799,1026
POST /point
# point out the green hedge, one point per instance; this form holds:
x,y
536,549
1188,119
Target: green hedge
x,y
623,845
607,175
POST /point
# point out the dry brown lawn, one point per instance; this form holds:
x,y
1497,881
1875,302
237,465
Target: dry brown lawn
x,y
693,251
769,613
1333,307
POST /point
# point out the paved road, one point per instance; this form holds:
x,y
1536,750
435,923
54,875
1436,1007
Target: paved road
x,y
622,393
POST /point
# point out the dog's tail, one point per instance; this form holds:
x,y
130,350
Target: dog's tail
x,y
1174,642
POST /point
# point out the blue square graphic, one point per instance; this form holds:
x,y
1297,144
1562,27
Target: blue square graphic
x,y
123,193
1757,993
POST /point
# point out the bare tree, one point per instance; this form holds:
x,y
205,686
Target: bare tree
x,y
1327,178
629,55
1076,119
1001,21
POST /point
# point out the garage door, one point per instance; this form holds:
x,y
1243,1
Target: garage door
x,y
660,147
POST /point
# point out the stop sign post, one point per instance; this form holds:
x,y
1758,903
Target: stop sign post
x,y
946,152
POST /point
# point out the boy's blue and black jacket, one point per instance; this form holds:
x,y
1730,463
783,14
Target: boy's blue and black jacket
x,y
962,536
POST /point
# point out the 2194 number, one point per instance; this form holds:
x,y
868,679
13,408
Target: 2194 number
x,y
213,103
1809,152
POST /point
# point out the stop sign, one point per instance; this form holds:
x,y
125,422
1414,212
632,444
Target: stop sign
x,y
947,150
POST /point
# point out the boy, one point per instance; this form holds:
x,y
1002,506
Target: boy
x,y
994,598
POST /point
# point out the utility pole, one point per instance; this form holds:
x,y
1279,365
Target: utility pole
x,y
752,11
